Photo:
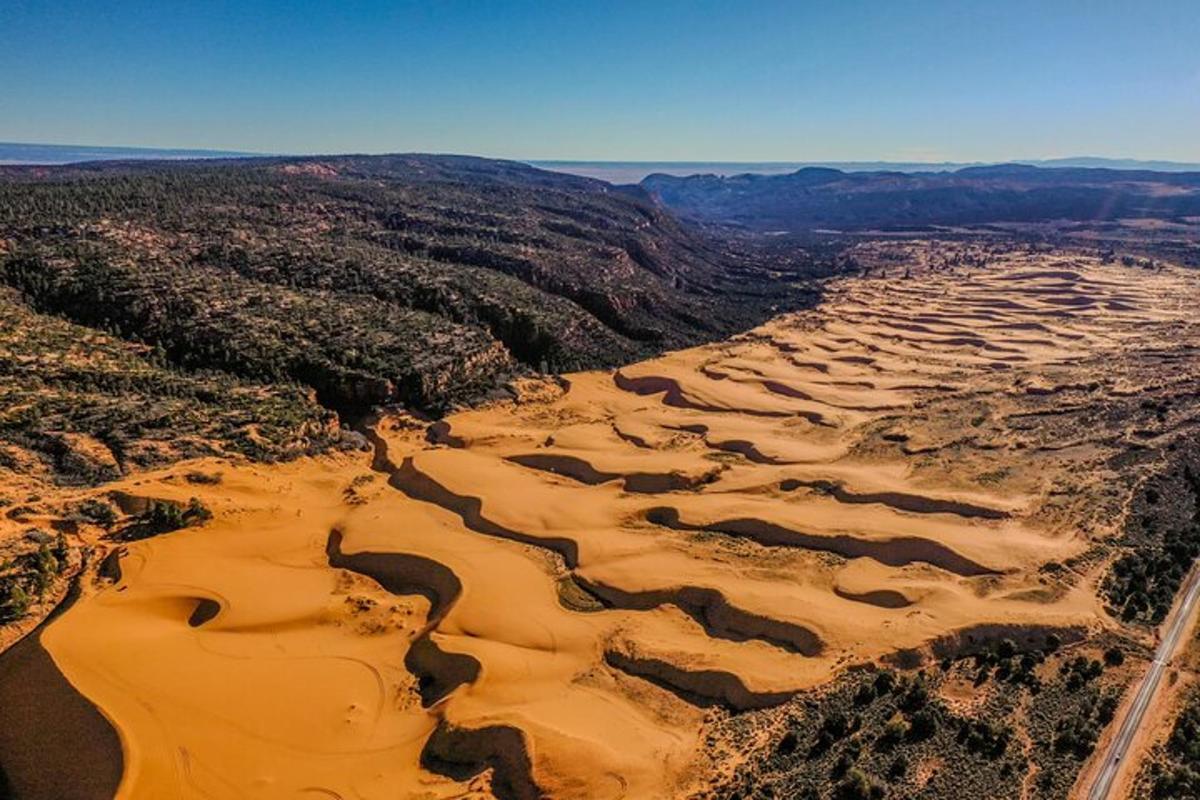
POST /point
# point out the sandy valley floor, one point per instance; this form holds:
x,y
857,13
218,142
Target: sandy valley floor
x,y
562,588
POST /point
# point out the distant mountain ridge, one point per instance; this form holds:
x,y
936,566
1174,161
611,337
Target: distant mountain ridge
x,y
635,171
821,198
1116,163
30,153
611,171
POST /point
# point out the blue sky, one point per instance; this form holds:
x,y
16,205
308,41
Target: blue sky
x,y
650,80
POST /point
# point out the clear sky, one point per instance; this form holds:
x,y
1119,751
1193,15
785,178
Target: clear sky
x,y
650,80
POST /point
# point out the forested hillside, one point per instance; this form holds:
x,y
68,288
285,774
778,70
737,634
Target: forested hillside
x,y
81,406
422,280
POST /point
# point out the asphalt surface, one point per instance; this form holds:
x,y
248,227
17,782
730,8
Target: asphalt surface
x,y
1132,721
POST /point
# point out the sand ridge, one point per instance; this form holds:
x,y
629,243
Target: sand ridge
x,y
545,598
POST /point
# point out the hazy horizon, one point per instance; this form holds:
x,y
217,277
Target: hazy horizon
x,y
614,171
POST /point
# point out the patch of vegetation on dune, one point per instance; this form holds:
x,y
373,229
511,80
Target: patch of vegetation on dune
x,y
162,516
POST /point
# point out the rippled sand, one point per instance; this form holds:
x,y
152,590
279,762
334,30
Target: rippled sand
x,y
547,597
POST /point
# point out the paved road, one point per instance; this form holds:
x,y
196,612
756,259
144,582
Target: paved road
x,y
1119,747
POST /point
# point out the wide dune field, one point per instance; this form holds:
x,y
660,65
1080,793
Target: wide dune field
x,y
557,596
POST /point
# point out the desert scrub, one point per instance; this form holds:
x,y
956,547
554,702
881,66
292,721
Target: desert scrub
x,y
1017,714
1161,541
1173,768
97,512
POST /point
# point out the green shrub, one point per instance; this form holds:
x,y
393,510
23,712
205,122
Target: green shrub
x,y
857,785
895,730
924,723
14,601
163,517
97,512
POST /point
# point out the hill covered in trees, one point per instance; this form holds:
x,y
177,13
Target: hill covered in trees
x,y
422,280
81,406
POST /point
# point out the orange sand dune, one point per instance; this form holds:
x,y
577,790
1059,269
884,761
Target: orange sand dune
x,y
550,599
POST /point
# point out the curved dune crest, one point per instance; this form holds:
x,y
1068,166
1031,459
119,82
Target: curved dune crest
x,y
701,687
401,573
541,598
892,552
712,610
884,598
903,501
